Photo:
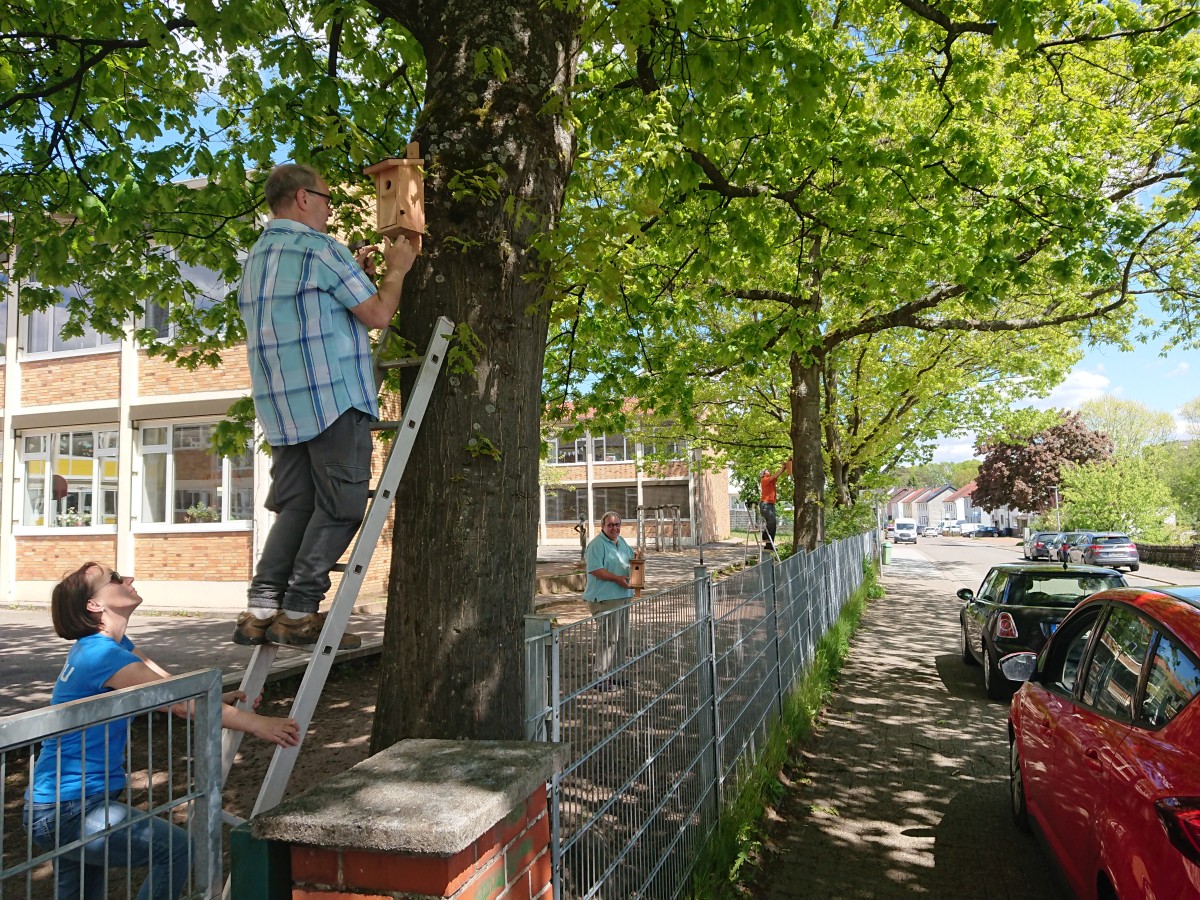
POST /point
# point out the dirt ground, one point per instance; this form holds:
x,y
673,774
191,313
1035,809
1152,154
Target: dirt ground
x,y
338,738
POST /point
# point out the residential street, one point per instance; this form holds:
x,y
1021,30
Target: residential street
x,y
903,791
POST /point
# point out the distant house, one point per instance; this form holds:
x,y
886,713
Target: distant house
x,y
959,507
926,507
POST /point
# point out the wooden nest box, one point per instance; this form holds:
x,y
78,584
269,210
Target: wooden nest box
x,y
400,194
637,573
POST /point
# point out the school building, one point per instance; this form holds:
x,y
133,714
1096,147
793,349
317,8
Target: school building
x,y
105,456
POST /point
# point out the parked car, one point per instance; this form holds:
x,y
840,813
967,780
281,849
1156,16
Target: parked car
x,y
906,531
929,531
1104,744
1038,545
986,531
1105,548
1018,606
966,529
951,528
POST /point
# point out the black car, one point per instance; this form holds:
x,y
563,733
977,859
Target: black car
x,y
1019,605
986,531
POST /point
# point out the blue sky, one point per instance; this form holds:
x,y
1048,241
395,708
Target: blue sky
x,y
1159,382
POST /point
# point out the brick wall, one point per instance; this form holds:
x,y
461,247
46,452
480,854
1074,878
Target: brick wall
x,y
51,557
75,379
157,376
204,556
510,860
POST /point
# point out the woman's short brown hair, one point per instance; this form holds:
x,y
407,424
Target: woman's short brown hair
x,y
68,605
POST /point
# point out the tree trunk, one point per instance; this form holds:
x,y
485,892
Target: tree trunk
x,y
464,546
808,471
839,467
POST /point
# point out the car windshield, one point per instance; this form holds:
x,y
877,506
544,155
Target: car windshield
x,y
1057,589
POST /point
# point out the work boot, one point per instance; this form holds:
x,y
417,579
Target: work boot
x,y
251,630
306,631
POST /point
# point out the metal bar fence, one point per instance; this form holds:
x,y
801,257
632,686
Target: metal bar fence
x,y
173,768
664,703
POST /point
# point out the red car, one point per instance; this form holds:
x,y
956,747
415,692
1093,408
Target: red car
x,y
1104,741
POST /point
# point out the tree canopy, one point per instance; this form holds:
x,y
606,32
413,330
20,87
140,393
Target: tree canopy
x,y
1118,494
766,207
1129,425
1024,472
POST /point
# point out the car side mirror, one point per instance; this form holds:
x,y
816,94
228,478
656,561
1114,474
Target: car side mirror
x,y
1019,666
965,594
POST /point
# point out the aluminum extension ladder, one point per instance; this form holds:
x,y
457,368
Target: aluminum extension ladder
x,y
354,572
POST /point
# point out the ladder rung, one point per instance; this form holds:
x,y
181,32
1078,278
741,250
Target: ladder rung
x,y
406,362
387,425
230,819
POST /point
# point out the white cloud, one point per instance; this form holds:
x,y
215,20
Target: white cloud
x,y
1180,369
1078,386
955,449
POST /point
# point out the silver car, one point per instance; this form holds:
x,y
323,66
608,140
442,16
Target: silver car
x,y
1105,548
1041,545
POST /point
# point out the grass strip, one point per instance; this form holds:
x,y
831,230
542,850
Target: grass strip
x,y
728,857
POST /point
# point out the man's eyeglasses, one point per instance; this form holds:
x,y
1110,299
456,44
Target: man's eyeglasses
x,y
612,524
328,199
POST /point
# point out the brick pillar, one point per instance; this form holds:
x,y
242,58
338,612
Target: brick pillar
x,y
458,819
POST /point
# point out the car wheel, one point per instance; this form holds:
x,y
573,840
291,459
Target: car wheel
x,y
994,683
1134,567
964,646
1016,787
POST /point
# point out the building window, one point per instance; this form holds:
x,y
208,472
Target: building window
x,y
668,495
185,483
665,451
70,478
564,504
210,289
568,452
43,329
621,500
612,448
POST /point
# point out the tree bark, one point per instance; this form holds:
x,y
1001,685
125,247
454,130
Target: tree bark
x,y
464,545
808,471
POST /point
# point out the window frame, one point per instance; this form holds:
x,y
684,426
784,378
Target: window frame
x,y
105,345
49,454
138,525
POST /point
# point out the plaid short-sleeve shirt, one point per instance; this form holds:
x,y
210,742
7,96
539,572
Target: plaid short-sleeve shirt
x,y
310,357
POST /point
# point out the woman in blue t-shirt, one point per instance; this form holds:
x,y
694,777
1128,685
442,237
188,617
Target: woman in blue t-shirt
x,y
78,777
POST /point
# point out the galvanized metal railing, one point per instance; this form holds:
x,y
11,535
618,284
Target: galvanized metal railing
x,y
659,739
174,773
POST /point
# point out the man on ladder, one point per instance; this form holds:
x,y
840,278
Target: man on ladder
x,y
768,485
308,304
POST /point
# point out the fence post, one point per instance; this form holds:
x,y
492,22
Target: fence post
x,y
770,589
206,864
707,695
537,677
555,800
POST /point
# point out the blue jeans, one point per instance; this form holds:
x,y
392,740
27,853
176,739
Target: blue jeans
x,y
82,873
318,492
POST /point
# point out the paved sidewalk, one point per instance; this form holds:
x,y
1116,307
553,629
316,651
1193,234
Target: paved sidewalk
x,y
33,654
903,790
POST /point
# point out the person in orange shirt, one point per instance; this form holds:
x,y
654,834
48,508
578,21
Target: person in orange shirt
x,y
768,496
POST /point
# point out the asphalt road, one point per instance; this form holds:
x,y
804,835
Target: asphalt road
x,y
970,559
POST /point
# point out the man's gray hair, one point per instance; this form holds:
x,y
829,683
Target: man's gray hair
x,y
611,514
285,180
